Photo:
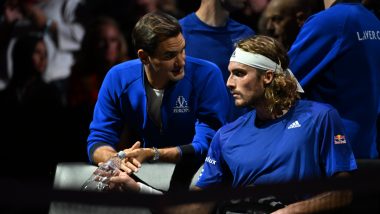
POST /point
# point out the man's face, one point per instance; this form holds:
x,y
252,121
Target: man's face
x,y
168,60
281,23
246,86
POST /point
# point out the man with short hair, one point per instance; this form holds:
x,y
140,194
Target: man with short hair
x,y
174,103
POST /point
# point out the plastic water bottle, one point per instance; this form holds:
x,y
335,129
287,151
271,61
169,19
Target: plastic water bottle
x,y
99,180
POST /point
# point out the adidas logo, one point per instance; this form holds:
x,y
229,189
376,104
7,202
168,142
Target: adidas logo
x,y
295,124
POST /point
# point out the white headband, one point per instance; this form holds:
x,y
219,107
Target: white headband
x,y
260,62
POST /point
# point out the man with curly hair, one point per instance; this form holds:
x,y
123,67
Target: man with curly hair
x,y
284,139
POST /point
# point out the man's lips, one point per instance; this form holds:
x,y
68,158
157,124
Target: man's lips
x,y
176,72
235,94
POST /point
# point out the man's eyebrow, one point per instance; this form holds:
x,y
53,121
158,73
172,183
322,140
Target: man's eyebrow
x,y
238,69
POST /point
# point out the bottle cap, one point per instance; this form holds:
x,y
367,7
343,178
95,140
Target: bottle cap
x,y
122,154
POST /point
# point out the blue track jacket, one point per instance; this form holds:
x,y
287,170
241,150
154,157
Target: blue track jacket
x,y
192,109
336,59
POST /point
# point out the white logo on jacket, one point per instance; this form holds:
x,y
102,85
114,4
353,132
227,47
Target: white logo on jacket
x,y
368,35
294,125
181,105
210,160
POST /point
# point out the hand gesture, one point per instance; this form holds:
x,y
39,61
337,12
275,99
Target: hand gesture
x,y
121,181
131,162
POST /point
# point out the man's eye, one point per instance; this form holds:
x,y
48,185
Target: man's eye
x,y
277,18
169,56
238,73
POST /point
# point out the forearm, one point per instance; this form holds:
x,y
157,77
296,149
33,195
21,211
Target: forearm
x,y
103,153
322,202
171,155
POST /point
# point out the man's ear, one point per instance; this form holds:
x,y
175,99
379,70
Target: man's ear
x,y
268,77
143,55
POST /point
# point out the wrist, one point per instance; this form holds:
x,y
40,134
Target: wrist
x,y
154,155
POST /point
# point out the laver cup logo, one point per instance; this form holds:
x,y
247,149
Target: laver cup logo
x,y
181,105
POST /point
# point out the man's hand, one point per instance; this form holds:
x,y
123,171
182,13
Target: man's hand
x,y
135,156
121,181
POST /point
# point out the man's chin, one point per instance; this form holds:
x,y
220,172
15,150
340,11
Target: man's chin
x,y
239,104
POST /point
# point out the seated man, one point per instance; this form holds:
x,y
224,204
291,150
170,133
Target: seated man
x,y
283,139
174,103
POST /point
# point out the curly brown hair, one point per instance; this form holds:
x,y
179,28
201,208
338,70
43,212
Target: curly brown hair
x,y
281,93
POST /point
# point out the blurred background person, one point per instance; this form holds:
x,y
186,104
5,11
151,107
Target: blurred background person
x,y
335,57
61,24
283,19
10,15
251,13
64,22
31,112
102,47
171,7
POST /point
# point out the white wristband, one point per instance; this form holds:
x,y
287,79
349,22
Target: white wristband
x,y
148,190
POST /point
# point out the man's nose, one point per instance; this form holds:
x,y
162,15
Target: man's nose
x,y
269,27
230,82
180,59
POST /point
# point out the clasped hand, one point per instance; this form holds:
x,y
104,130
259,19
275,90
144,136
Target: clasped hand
x,y
135,156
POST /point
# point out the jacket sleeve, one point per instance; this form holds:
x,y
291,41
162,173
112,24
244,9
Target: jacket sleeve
x,y
106,125
317,45
212,111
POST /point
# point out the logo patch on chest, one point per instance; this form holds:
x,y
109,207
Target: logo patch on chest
x,y
181,105
294,125
339,139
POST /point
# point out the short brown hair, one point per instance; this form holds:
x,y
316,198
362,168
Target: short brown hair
x,y
152,29
281,93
